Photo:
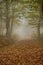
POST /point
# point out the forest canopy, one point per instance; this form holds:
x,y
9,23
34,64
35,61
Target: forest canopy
x,y
13,11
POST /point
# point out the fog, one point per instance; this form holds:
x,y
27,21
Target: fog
x,y
24,30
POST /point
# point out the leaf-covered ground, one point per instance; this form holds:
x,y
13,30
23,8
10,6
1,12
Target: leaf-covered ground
x,y
25,52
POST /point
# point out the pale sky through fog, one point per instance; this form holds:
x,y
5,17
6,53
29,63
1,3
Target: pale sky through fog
x,y
24,31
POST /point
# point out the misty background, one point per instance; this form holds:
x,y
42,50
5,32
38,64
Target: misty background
x,y
21,19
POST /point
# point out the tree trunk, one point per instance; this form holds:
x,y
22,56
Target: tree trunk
x,y
0,21
7,19
38,29
12,18
40,19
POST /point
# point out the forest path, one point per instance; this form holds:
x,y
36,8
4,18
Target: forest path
x,y
24,52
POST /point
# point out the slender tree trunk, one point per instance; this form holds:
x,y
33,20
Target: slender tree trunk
x,y
38,29
1,22
11,21
40,19
12,18
7,19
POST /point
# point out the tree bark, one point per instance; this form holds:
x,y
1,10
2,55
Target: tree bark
x,y
40,19
7,19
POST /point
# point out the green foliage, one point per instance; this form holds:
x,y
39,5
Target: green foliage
x,y
23,8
